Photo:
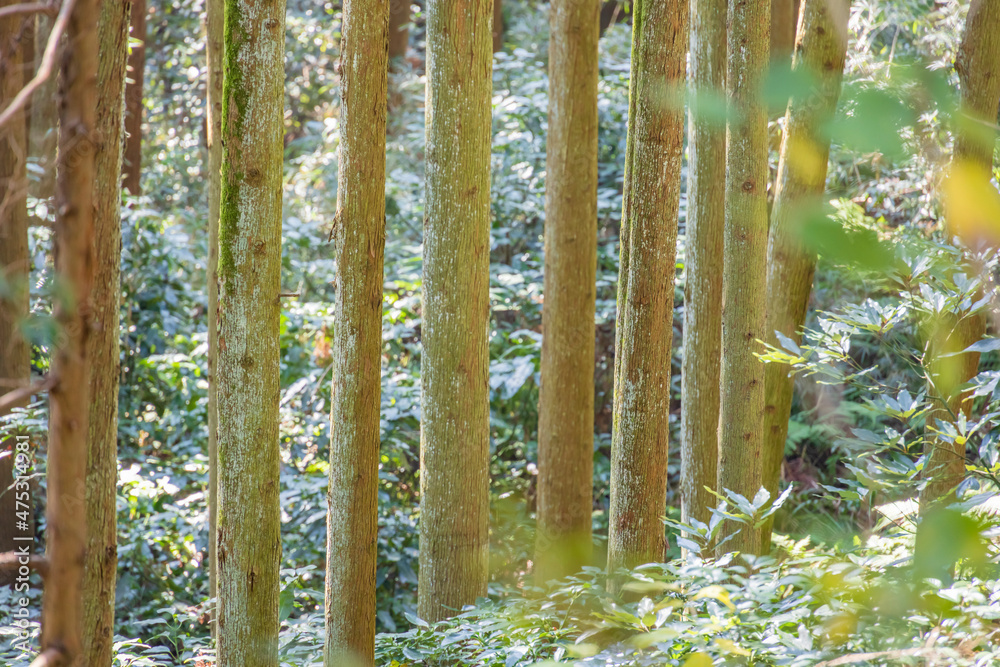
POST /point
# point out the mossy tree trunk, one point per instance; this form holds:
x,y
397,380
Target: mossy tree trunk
x,y
100,569
978,67
454,437
69,396
744,256
15,352
359,245
214,24
249,538
132,164
646,283
566,406
800,184
703,266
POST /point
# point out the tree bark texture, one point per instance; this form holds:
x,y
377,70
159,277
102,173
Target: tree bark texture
x,y
215,49
15,351
100,569
978,67
454,438
497,25
133,101
359,245
566,405
249,539
646,283
44,121
744,256
784,20
800,184
399,28
705,226
66,518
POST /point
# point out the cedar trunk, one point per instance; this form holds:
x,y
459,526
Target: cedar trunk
x,y
132,164
66,519
399,28
566,406
744,256
800,183
497,25
44,124
101,565
15,352
978,67
359,244
703,266
454,437
646,284
249,537
784,20
214,24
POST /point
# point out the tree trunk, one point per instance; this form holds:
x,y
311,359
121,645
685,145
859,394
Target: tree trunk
x,y
214,24
133,100
454,438
646,284
44,125
784,19
15,352
497,25
800,185
101,565
249,538
978,67
566,406
705,226
399,30
66,519
744,256
359,244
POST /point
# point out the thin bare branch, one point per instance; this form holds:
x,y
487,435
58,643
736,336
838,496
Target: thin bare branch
x,y
13,398
50,657
45,70
28,8
11,560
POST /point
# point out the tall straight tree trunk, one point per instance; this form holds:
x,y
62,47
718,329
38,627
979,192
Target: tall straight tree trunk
x,y
978,67
44,121
399,31
703,266
800,185
454,370
133,100
359,245
744,255
497,25
100,568
15,352
646,283
214,24
66,519
566,409
249,539
784,19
